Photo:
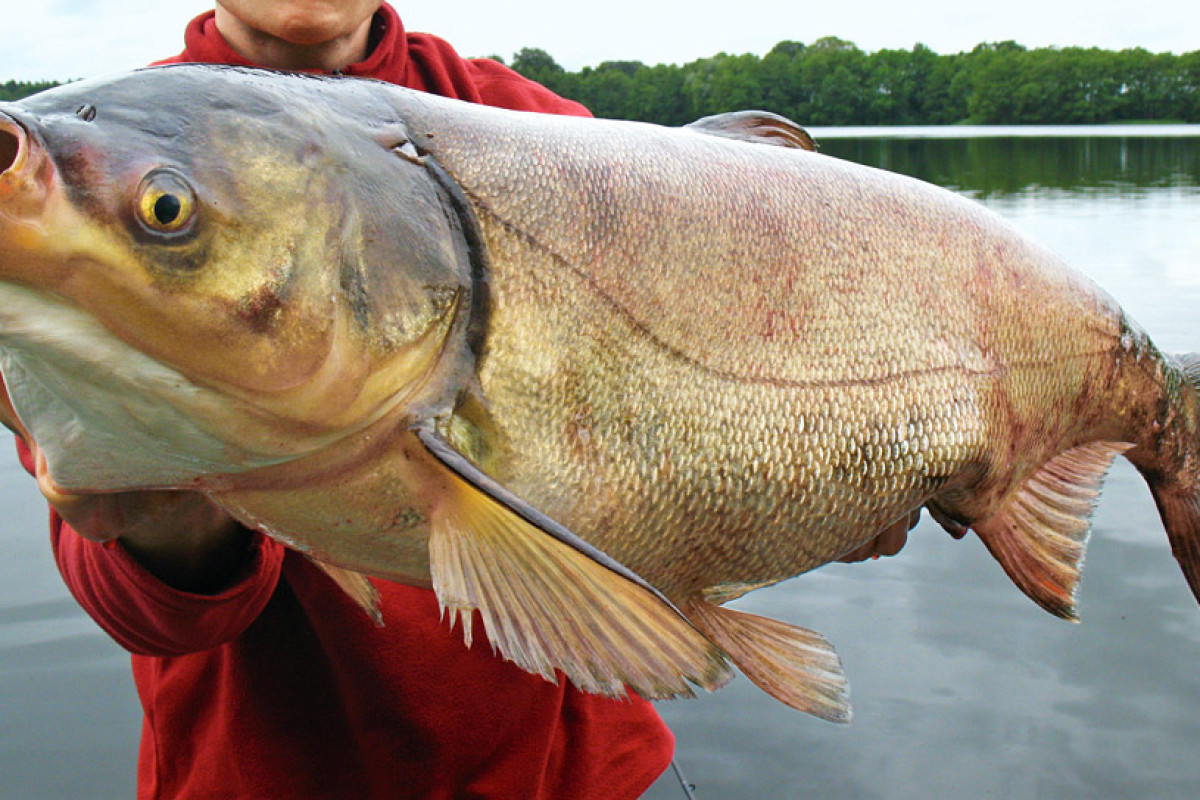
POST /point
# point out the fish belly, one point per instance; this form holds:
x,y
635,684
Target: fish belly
x,y
726,390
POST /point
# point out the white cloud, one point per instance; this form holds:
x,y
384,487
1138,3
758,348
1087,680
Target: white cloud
x,y
82,38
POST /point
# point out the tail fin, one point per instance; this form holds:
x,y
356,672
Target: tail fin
x,y
1181,518
1189,363
1180,510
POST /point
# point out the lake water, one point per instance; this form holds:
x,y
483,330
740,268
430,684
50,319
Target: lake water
x,y
962,688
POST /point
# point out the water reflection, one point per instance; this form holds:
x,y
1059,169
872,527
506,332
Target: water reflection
x,y
998,166
963,688
69,719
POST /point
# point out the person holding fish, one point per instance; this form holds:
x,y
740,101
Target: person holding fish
x,y
258,676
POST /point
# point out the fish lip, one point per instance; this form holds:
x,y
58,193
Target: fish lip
x,y
27,173
16,141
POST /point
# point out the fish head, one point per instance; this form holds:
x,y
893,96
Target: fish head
x,y
245,249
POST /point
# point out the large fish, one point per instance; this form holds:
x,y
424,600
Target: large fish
x,y
589,379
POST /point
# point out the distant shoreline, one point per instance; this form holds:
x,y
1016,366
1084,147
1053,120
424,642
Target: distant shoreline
x,y
832,82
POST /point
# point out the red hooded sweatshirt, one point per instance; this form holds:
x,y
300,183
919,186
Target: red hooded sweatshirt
x,y
280,687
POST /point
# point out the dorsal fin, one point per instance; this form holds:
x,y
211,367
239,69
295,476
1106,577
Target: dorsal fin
x,y
761,127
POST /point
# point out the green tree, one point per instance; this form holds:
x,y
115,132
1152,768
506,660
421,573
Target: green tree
x,y
16,90
832,82
782,90
533,63
834,76
735,84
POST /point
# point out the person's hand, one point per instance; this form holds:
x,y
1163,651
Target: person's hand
x,y
891,540
180,536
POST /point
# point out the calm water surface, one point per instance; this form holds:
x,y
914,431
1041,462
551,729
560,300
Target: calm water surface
x,y
962,688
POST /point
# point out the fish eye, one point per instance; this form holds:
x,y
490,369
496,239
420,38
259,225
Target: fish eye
x,y
165,202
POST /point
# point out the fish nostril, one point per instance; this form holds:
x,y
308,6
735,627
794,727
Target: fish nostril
x,y
10,147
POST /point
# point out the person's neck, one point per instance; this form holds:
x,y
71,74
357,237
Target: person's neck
x,y
269,51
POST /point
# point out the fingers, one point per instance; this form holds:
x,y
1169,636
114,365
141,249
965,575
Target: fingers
x,y
181,537
859,553
92,516
888,542
893,539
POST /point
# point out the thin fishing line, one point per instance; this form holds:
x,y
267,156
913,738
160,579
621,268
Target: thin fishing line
x,y
684,783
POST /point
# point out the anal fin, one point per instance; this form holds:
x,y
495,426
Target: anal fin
x,y
797,667
549,601
1040,535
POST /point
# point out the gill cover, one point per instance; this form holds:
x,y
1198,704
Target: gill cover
x,y
267,274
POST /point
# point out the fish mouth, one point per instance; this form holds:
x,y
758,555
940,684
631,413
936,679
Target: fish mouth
x,y
27,178
14,145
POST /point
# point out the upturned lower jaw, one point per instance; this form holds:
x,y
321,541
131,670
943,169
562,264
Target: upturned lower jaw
x,y
12,145
25,177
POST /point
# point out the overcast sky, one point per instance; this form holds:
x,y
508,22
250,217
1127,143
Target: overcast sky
x,y
63,39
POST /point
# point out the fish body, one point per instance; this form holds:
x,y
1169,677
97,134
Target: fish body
x,y
591,379
849,345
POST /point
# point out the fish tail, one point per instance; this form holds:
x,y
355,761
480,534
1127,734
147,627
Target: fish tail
x,y
1176,490
1181,517
1039,533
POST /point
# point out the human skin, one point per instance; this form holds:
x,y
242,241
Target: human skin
x,y
297,34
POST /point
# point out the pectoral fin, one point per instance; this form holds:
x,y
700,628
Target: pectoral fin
x,y
549,600
1040,534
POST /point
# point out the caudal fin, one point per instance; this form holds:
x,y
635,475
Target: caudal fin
x,y
1179,506
1181,518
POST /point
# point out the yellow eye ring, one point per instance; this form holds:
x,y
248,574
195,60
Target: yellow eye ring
x,y
165,203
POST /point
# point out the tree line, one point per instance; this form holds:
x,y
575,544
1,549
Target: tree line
x,y
15,90
833,82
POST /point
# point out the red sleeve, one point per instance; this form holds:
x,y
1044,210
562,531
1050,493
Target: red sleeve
x,y
417,60
505,88
434,66
145,615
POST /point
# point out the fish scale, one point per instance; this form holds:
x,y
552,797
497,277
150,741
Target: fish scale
x,y
721,431
587,379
